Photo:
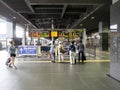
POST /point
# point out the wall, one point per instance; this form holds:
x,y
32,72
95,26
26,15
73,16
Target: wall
x,y
115,40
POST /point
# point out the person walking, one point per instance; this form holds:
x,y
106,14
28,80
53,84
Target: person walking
x,y
12,51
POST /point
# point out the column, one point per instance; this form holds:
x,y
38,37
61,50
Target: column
x,y
52,29
14,30
115,41
84,37
103,32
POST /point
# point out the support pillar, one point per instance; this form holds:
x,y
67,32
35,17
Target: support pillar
x,y
84,37
103,32
52,29
115,41
14,30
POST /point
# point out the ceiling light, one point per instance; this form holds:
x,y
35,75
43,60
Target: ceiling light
x,y
81,24
84,18
14,17
92,17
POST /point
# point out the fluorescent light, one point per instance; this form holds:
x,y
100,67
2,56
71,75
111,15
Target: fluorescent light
x,y
14,17
92,17
80,24
113,26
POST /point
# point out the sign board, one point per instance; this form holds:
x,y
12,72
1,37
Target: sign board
x,y
46,34
39,34
27,50
54,33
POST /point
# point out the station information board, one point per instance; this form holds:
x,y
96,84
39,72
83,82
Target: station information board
x,y
54,33
39,34
65,34
69,34
27,50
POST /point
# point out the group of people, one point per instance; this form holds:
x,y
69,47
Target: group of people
x,y
74,50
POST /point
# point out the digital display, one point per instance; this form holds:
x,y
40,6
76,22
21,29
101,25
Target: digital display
x,y
39,34
47,34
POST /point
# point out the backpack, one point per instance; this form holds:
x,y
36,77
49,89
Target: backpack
x,y
72,48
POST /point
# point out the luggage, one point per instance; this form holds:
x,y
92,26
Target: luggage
x,y
7,61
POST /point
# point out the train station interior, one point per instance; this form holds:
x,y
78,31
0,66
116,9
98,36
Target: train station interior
x,y
35,26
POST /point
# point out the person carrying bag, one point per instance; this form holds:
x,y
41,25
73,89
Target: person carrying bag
x,y
81,55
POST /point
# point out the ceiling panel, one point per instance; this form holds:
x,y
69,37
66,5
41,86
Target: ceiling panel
x,y
64,13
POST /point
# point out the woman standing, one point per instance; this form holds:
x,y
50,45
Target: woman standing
x,y
72,50
12,51
60,53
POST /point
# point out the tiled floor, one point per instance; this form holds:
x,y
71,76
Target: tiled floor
x,y
55,76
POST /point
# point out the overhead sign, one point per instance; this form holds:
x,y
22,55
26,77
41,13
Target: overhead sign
x,y
74,30
63,34
46,34
39,33
27,50
54,33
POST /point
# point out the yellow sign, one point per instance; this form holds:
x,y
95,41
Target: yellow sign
x,y
54,33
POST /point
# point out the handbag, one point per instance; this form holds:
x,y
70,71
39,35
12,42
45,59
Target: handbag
x,y
61,50
83,57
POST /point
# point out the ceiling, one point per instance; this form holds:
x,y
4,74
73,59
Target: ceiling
x,y
63,14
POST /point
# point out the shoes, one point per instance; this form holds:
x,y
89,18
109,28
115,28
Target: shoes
x,y
6,64
53,61
9,65
72,63
15,67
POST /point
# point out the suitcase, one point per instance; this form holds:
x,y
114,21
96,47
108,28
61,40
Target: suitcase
x,y
7,61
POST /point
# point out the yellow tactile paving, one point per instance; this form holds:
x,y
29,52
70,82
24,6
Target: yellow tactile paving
x,y
64,61
97,61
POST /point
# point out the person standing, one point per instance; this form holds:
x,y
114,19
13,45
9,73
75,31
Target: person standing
x,y
52,52
12,51
80,48
60,52
72,52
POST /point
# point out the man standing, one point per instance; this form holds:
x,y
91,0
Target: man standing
x,y
52,52
80,48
